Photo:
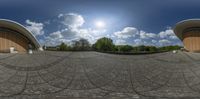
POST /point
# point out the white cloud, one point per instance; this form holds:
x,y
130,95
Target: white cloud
x,y
164,42
73,30
72,20
56,35
167,34
138,42
144,35
60,36
132,35
120,42
91,34
35,28
127,33
154,41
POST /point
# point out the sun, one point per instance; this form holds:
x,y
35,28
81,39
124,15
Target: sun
x,y
100,24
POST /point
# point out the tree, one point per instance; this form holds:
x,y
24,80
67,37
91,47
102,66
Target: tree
x,y
82,44
170,48
124,48
141,48
63,47
104,44
135,49
152,49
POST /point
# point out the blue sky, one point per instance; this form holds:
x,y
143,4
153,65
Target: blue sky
x,y
134,22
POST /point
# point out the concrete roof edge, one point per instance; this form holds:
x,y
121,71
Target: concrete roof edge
x,y
180,26
29,35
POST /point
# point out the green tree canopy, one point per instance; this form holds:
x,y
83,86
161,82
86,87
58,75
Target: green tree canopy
x,y
124,48
81,45
104,44
63,47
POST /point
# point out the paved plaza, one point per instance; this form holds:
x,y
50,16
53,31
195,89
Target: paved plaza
x,y
93,75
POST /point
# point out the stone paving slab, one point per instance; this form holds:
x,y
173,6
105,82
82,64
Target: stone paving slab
x,y
93,75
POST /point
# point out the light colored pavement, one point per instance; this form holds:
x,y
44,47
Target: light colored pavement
x,y
93,75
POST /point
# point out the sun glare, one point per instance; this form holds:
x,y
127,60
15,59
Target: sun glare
x,y
100,24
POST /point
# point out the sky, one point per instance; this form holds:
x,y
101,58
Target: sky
x,y
133,22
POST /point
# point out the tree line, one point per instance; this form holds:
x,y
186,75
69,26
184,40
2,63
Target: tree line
x,y
106,45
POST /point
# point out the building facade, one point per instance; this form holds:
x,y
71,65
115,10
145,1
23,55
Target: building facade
x,y
14,35
188,31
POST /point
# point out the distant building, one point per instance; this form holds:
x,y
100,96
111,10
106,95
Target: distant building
x,y
189,32
14,36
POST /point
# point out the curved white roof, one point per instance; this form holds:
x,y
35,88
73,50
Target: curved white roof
x,y
181,26
19,28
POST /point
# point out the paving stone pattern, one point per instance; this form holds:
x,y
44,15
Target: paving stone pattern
x,y
93,75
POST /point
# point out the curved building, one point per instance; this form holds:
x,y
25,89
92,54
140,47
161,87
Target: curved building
x,y
14,35
189,32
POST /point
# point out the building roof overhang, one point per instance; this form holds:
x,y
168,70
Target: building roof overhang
x,y
21,29
180,27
